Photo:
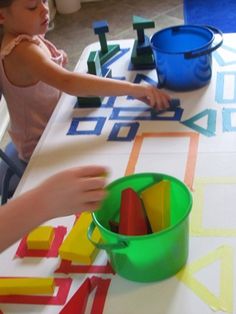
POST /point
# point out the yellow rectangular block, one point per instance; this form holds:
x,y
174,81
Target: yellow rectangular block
x,y
77,247
40,238
156,201
28,286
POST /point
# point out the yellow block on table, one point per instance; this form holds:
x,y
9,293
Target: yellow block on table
x,y
77,247
40,238
156,201
26,286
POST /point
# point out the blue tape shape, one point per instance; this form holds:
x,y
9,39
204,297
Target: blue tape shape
x,y
142,77
133,129
211,122
143,114
220,86
116,57
227,121
97,130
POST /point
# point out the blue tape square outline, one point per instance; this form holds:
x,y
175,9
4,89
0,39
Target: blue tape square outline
x,y
100,121
226,117
134,126
220,88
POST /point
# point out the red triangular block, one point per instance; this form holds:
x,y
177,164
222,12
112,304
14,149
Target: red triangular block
x,y
133,220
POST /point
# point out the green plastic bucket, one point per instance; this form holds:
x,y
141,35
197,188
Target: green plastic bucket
x,y
151,257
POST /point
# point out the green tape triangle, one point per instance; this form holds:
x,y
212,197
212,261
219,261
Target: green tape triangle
x,y
210,129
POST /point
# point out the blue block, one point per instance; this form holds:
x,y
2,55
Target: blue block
x,y
100,27
174,103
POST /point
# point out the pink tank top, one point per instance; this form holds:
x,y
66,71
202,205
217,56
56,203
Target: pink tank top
x,y
29,107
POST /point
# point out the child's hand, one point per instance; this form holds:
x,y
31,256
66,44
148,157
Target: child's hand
x,y
152,96
73,191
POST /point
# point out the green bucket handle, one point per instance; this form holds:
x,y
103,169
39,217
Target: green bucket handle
x,y
104,246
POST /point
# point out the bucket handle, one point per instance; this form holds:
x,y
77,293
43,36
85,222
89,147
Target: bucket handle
x,y
191,54
104,246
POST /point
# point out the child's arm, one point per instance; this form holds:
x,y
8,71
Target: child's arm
x,y
39,66
68,192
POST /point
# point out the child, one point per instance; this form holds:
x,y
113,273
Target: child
x,y
68,192
32,74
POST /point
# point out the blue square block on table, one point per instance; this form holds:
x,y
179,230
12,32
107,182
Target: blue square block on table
x,y
100,27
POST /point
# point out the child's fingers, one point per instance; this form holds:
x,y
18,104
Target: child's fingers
x,y
92,171
92,183
92,200
163,103
92,206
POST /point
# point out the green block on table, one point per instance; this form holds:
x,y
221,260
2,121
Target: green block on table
x,y
142,23
103,43
143,47
112,50
146,58
89,102
94,64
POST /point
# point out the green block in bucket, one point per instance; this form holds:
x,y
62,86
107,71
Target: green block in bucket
x,y
151,257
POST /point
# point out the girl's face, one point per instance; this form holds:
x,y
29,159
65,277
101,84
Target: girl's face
x,y
26,17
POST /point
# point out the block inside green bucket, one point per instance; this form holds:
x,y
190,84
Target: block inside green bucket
x,y
151,257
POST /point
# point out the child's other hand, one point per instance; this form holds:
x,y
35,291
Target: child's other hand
x,y
73,191
152,96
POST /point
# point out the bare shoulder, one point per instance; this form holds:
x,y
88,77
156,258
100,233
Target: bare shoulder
x,y
28,50
21,64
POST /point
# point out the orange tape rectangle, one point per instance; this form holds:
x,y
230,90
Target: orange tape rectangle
x,y
191,154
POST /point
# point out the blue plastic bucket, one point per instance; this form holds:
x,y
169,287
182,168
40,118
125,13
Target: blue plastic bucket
x,y
183,56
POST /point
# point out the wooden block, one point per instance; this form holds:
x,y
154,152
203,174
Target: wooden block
x,y
156,201
112,50
28,286
100,27
133,220
174,103
144,59
94,64
140,35
103,43
89,102
144,47
40,238
142,23
77,247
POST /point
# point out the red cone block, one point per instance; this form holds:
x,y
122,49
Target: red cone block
x,y
133,220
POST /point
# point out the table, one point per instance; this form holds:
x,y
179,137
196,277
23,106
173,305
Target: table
x,y
195,143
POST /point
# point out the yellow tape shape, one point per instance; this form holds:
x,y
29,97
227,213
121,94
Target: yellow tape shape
x,y
196,217
224,302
